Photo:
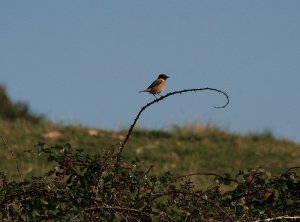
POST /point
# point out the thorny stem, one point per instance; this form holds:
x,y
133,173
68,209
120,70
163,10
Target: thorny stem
x,y
122,145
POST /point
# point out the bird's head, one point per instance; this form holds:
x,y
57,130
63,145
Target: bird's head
x,y
163,76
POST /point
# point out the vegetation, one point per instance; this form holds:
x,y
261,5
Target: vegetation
x,y
13,111
181,150
51,172
83,187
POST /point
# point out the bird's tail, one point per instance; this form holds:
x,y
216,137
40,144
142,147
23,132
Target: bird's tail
x,y
145,90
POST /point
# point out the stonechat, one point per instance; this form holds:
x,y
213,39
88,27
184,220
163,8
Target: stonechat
x,y
158,85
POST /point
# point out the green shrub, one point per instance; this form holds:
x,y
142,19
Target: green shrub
x,y
13,111
83,187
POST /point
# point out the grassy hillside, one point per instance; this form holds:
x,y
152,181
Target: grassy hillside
x,y
44,176
181,150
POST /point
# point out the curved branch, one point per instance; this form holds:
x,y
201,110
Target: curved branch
x,y
163,97
208,174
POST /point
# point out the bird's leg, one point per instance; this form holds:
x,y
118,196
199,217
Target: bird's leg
x,y
154,96
159,95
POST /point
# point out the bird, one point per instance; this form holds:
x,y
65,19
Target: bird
x,y
157,86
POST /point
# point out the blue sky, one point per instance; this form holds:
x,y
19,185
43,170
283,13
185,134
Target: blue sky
x,y
84,61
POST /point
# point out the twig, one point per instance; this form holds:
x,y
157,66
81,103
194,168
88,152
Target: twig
x,y
14,156
120,208
290,169
159,99
149,170
280,218
207,174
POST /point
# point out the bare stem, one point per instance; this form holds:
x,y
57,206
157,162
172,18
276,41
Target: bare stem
x,y
161,98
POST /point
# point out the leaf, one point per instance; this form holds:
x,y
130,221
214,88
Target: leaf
x,y
138,203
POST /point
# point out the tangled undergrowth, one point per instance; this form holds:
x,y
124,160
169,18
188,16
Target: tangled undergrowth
x,y
82,187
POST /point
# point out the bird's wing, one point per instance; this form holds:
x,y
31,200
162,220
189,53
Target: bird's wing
x,y
155,83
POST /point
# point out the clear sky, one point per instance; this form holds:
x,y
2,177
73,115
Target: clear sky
x,y
84,61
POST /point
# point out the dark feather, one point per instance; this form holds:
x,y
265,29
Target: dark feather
x,y
155,83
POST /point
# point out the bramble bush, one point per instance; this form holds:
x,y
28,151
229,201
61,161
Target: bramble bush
x,y
82,187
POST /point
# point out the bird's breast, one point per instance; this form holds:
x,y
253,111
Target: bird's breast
x,y
159,88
